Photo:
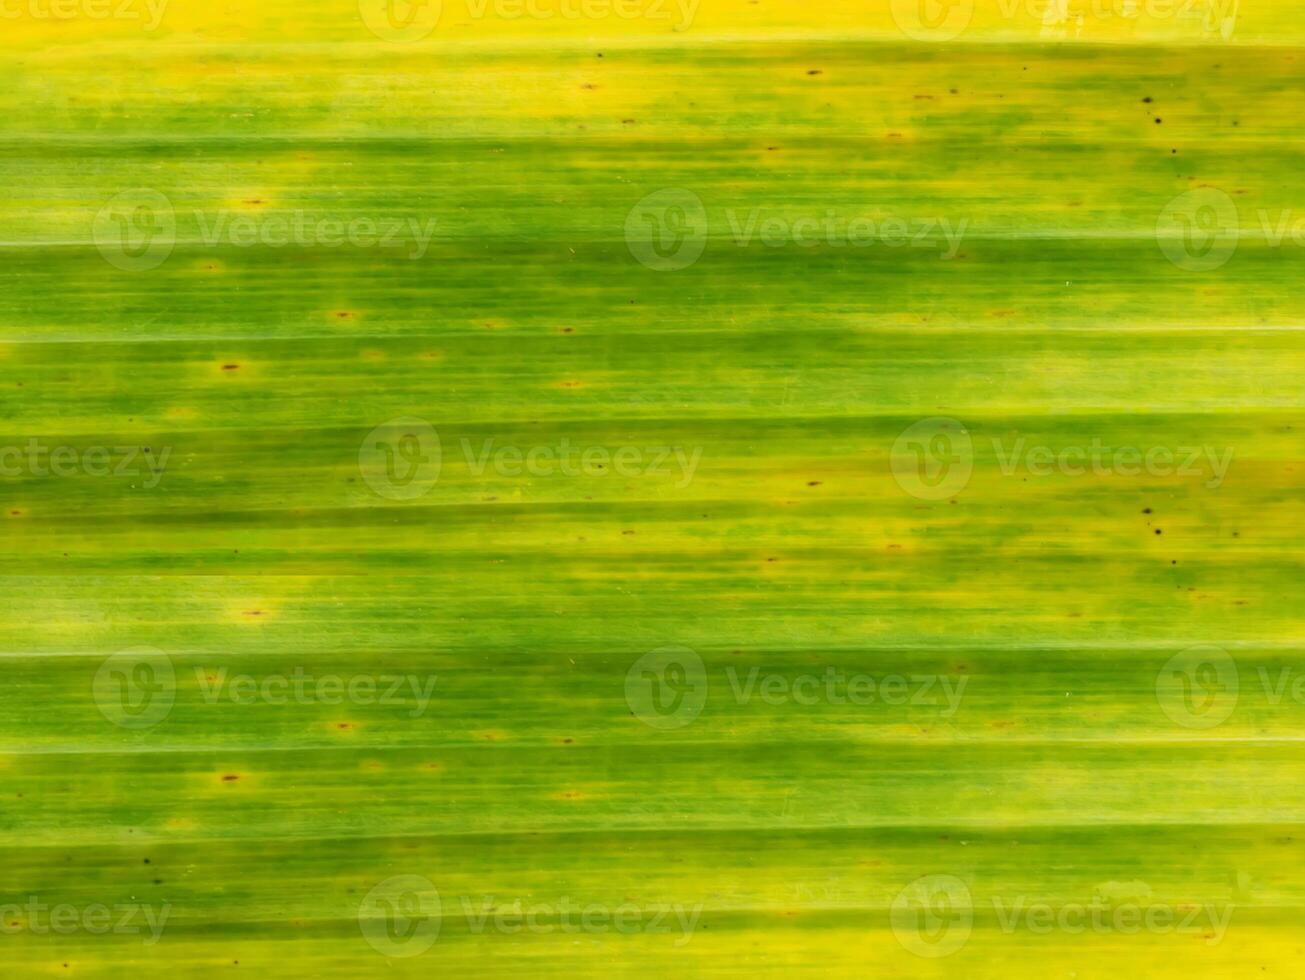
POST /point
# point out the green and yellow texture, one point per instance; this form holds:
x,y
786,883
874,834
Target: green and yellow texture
x,y
708,489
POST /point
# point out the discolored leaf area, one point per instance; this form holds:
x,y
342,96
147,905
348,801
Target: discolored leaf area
x,y
660,488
